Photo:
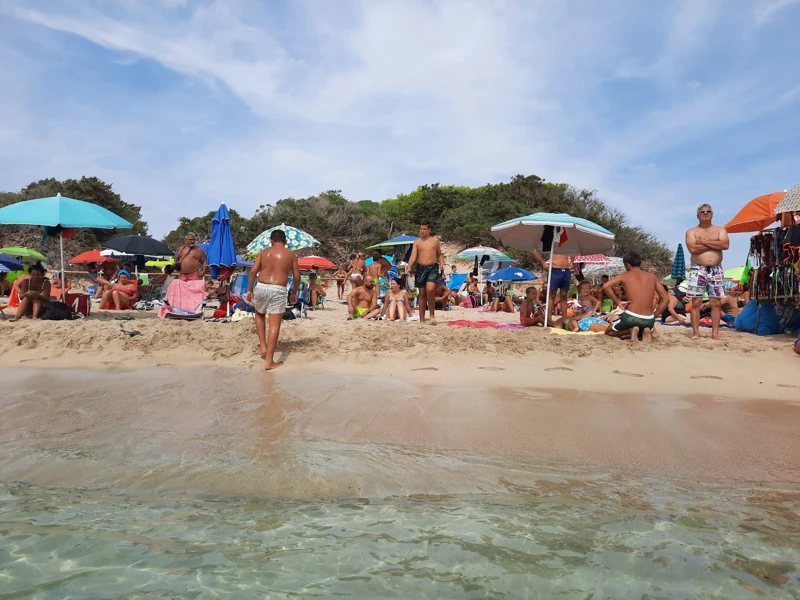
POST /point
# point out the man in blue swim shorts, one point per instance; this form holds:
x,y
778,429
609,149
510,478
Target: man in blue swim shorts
x,y
560,281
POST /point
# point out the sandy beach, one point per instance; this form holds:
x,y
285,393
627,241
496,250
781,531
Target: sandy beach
x,y
739,366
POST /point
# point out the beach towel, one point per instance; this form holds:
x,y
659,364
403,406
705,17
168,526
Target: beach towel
x,y
477,324
187,296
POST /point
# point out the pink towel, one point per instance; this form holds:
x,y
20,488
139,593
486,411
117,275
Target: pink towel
x,y
186,295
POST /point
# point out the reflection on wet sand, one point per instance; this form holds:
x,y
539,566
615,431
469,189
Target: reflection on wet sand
x,y
288,436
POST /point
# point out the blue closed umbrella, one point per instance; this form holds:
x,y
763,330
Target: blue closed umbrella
x,y
511,274
63,213
221,251
679,264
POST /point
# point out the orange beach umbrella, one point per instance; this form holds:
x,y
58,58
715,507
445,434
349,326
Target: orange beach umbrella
x,y
756,215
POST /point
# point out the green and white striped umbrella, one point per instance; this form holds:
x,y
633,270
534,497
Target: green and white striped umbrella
x,y
296,239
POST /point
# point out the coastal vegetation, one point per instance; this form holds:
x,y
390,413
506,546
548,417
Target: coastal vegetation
x,y
460,214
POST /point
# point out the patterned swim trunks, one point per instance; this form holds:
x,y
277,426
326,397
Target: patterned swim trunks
x,y
269,299
704,280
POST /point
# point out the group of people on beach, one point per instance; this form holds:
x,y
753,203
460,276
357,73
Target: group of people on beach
x,y
627,305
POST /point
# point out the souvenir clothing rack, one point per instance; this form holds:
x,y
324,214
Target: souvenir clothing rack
x,y
774,254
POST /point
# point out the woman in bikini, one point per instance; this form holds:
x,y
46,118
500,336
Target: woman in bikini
x,y
123,293
587,319
358,265
396,302
341,279
33,291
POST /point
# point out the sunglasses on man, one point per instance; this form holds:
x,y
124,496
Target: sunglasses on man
x,y
706,212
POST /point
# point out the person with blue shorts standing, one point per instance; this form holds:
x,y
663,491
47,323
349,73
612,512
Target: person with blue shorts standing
x,y
560,281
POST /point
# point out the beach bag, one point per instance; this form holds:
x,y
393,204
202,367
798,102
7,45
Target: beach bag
x,y
765,315
468,302
56,311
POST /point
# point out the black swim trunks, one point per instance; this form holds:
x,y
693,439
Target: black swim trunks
x,y
426,274
629,320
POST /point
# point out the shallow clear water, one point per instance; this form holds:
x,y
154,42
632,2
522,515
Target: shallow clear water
x,y
578,540
182,490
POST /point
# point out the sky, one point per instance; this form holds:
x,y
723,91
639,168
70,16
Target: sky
x,y
181,104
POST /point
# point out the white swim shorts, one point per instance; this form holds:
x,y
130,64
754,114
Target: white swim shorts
x,y
269,299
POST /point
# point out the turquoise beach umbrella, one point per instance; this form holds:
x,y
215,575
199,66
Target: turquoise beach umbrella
x,y
480,252
61,212
296,239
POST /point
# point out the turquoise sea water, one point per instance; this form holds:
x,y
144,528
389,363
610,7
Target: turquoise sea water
x,y
582,540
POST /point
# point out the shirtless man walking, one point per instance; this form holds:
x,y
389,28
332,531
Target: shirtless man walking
x,y
192,260
426,254
272,267
560,281
706,243
640,289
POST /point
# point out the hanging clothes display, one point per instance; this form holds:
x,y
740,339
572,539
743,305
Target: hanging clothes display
x,y
774,256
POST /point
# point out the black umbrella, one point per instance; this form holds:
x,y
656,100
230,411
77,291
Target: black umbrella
x,y
138,245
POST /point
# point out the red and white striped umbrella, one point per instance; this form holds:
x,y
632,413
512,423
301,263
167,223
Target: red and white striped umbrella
x,y
592,259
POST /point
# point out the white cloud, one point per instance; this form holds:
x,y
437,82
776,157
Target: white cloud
x,y
765,10
376,97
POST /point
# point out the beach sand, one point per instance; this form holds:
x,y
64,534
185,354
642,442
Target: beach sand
x,y
739,366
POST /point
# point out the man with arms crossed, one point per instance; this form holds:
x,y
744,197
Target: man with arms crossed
x,y
192,260
272,267
706,243
640,289
426,253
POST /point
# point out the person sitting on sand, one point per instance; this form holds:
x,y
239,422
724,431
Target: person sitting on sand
x,y
122,293
531,312
315,290
676,309
640,287
501,301
5,284
104,278
362,302
396,302
357,269
472,289
442,295
729,305
34,291
587,318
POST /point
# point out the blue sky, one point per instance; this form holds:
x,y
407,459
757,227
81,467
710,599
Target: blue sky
x,y
181,104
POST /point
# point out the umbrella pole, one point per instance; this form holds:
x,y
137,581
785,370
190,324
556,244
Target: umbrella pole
x,y
549,279
63,278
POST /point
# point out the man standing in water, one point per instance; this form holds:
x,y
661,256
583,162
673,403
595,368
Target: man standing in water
x,y
705,243
272,267
190,260
640,289
560,282
426,253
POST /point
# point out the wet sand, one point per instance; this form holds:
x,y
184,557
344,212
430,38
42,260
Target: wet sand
x,y
318,435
